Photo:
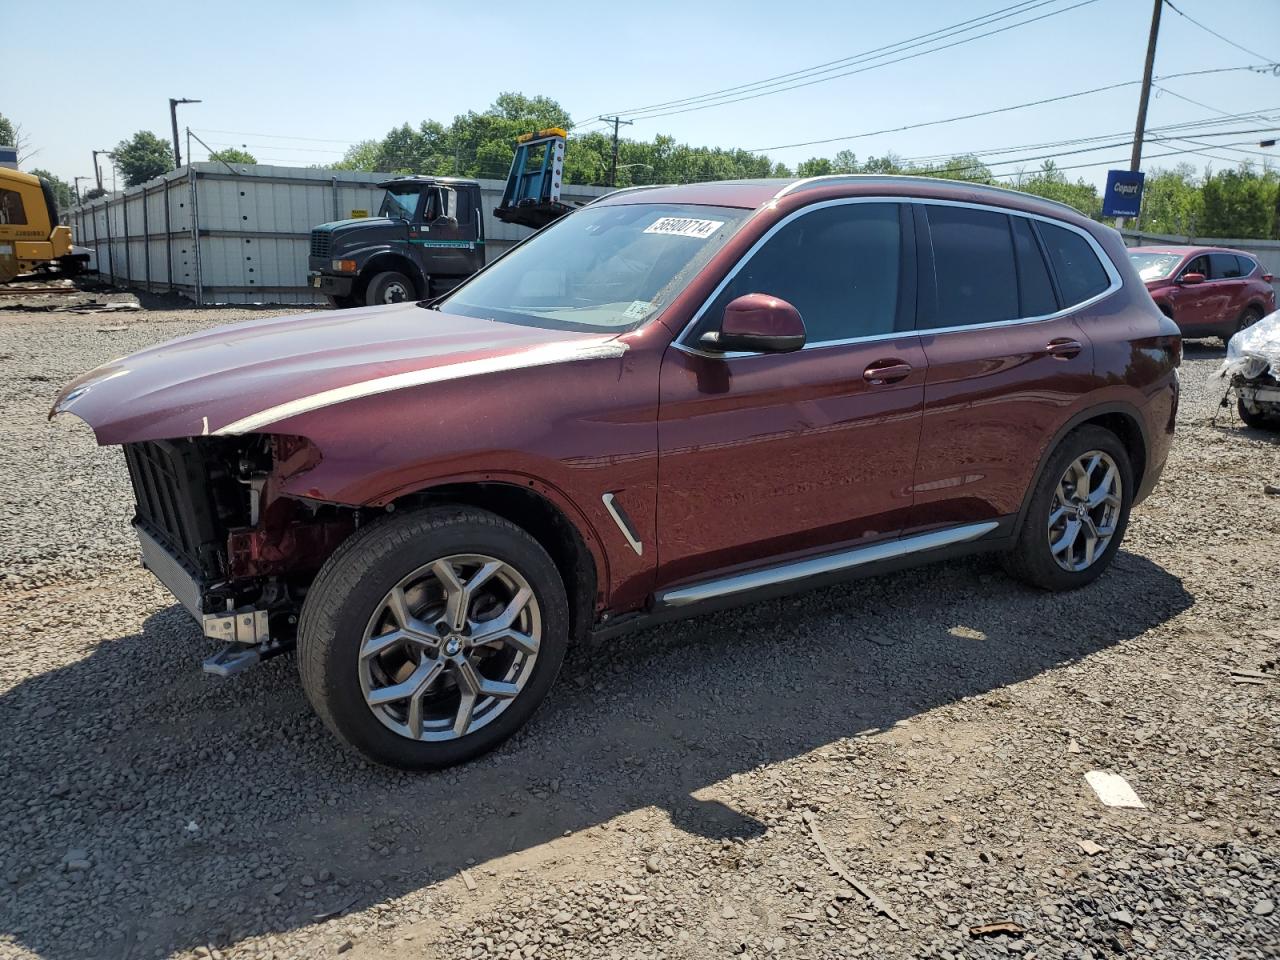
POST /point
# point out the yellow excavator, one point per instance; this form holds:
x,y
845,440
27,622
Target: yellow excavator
x,y
31,239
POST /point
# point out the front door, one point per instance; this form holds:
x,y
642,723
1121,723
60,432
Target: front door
x,y
1007,360
768,455
446,244
1193,303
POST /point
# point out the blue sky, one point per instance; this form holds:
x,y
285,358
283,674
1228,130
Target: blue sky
x,y
295,82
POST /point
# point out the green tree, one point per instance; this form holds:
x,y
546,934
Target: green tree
x,y
62,191
1239,203
360,156
815,167
7,133
1172,201
93,193
142,157
1052,184
233,155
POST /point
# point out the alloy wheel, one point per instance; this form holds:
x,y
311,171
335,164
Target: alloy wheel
x,y
1085,511
450,647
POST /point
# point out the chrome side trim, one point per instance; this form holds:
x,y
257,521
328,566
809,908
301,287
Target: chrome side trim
x,y
831,563
1113,275
620,519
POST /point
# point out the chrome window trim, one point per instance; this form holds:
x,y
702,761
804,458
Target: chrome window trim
x,y
1113,276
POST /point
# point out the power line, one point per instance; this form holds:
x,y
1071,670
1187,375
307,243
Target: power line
x,y
1252,53
984,113
830,65
847,73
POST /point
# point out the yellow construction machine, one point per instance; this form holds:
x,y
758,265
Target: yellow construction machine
x,y
31,239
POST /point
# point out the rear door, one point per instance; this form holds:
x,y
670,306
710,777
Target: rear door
x,y
1007,360
1228,288
766,455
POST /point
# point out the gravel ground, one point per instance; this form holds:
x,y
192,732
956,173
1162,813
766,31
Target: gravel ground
x,y
932,728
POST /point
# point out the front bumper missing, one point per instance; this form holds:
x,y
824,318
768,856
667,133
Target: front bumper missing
x,y
245,631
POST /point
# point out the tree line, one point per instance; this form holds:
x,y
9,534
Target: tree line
x,y
1239,202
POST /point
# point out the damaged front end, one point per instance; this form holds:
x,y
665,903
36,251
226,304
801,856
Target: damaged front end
x,y
1252,371
216,532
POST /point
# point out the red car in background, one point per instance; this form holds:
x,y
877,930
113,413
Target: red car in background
x,y
1206,291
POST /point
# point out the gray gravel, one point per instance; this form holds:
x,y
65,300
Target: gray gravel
x,y
935,726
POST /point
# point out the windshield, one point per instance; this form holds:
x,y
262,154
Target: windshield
x,y
400,205
1155,266
601,268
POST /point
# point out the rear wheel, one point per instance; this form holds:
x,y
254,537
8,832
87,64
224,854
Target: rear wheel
x,y
389,287
430,638
1247,319
1078,514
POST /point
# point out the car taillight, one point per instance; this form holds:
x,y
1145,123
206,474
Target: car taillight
x,y
1266,278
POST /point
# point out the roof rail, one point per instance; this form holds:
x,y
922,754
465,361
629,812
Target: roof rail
x,y
810,182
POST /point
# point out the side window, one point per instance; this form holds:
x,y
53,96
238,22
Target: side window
x,y
1224,266
838,265
464,207
1035,291
11,208
1080,275
1199,265
1247,266
973,264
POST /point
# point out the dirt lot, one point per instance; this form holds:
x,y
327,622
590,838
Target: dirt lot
x,y
932,728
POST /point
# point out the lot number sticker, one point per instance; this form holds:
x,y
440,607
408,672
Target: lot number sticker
x,y
684,227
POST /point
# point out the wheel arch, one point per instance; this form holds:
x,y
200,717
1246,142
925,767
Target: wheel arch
x,y
1120,419
391,260
571,545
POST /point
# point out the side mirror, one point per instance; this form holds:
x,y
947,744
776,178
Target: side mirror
x,y
1192,278
757,323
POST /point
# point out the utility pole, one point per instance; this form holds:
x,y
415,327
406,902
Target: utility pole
x,y
173,118
77,185
1140,129
613,163
97,170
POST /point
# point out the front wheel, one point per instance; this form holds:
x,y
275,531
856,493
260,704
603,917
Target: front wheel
x,y
1259,421
429,638
1078,514
389,287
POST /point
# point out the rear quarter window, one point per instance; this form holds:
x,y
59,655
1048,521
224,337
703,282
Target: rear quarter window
x,y
1080,274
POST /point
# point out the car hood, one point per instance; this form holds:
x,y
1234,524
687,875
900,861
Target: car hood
x,y
244,377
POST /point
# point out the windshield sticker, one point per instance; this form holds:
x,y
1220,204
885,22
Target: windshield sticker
x,y
684,227
638,310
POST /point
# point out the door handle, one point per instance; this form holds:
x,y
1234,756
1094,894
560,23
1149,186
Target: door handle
x,y
1064,348
886,371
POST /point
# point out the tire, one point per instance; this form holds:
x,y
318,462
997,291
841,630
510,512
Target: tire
x,y
389,287
1250,316
1259,421
1032,559
348,612
340,303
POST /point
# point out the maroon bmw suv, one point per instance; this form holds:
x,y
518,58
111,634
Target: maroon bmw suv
x,y
1207,291
672,400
